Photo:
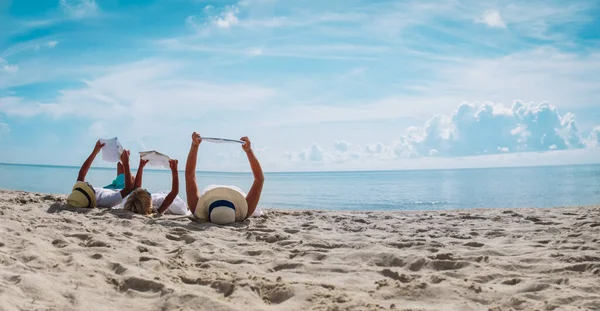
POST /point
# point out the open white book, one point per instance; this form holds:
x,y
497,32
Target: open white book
x,y
222,140
155,158
111,152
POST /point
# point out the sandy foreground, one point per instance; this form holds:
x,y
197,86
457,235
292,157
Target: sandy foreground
x,y
53,257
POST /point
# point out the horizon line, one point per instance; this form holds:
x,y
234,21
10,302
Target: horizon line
x,y
308,172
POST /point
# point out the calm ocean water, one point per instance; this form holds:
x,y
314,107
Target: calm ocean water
x,y
389,190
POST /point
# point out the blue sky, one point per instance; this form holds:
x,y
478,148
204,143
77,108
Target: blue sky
x,y
316,85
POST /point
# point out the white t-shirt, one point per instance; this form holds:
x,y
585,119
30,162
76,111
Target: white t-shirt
x,y
107,197
178,207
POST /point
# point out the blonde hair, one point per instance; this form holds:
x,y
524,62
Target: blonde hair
x,y
139,201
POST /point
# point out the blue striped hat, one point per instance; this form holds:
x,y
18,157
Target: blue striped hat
x,y
222,205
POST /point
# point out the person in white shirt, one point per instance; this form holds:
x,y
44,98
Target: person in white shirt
x,y
83,194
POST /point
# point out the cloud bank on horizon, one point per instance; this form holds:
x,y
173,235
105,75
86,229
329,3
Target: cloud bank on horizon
x,y
319,86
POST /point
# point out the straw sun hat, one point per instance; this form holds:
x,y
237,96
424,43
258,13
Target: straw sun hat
x,y
222,205
82,195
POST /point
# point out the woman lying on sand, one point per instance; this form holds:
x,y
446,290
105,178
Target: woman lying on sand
x,y
85,195
143,202
222,204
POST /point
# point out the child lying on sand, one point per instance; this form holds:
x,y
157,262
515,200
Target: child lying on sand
x,y
143,202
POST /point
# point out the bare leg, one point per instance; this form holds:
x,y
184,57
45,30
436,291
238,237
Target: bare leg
x,y
120,169
127,171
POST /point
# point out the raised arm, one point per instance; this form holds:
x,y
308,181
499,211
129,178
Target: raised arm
x,y
174,187
140,173
191,187
88,162
259,179
127,171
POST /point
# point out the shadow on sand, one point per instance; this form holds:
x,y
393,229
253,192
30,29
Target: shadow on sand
x,y
169,221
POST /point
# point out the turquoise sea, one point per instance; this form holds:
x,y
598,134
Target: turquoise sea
x,y
381,190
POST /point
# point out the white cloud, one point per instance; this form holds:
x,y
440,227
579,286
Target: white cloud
x,y
208,9
477,129
99,129
145,93
79,8
313,154
492,19
6,67
255,52
227,18
224,18
28,46
594,138
472,131
333,51
341,146
10,68
365,162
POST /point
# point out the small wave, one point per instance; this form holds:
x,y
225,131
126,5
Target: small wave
x,y
429,203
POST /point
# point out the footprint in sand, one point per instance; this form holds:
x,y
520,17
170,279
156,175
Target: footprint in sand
x,y
443,256
117,268
95,243
253,253
448,265
388,260
513,281
536,287
13,280
287,266
265,230
141,285
224,287
275,293
272,238
81,236
58,243
474,244
142,249
180,234
582,267
145,258
150,243
325,245
395,276
417,264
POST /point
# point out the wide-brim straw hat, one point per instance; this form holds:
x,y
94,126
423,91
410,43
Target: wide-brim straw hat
x,y
82,195
222,205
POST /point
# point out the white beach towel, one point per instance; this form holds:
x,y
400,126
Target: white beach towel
x,y
155,158
112,150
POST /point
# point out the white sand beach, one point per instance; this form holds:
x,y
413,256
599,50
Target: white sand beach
x,y
53,257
